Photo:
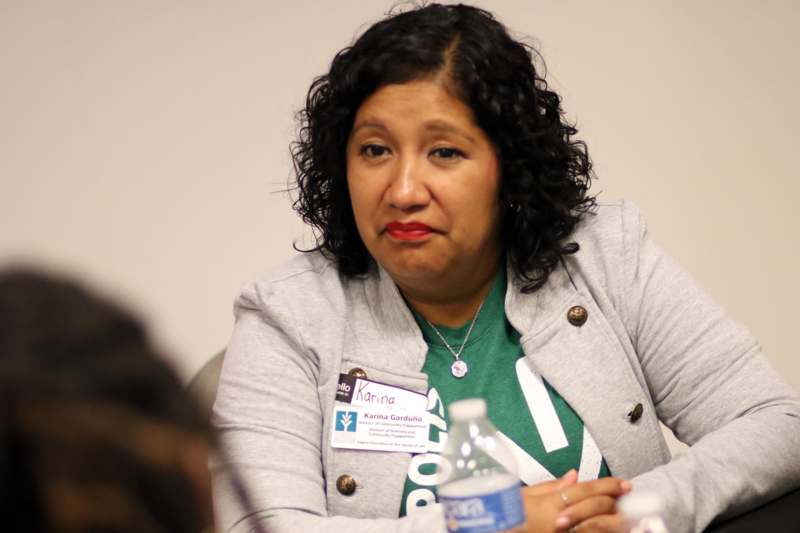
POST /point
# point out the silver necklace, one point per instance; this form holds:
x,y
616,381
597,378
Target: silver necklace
x,y
459,368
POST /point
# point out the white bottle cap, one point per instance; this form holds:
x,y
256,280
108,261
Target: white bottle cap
x,y
467,409
638,505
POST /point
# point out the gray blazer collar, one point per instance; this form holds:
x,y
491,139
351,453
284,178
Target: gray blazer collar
x,y
530,313
527,313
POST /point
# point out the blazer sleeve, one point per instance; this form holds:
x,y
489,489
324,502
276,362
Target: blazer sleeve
x,y
269,420
712,386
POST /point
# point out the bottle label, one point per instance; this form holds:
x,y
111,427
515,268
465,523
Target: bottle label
x,y
487,513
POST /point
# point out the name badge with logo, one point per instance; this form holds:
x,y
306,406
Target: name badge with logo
x,y
370,415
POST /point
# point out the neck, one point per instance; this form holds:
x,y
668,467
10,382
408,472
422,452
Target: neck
x,y
453,307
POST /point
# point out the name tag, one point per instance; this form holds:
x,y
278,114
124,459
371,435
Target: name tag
x,y
369,415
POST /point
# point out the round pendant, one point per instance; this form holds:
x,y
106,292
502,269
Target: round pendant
x,y
459,368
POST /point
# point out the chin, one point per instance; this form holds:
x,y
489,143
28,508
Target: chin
x,y
414,270
413,262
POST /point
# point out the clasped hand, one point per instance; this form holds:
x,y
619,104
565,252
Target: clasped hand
x,y
566,505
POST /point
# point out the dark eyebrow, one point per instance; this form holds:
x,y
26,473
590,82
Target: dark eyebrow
x,y
445,127
435,125
368,124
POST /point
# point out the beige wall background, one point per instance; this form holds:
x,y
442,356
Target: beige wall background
x,y
143,145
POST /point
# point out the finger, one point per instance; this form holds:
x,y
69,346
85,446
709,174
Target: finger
x,y
540,488
551,486
607,523
568,479
585,509
609,486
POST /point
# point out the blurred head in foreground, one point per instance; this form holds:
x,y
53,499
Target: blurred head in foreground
x,y
96,431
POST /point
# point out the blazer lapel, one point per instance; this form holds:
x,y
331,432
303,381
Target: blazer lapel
x,y
589,369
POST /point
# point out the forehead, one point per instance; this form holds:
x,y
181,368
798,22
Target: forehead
x,y
415,102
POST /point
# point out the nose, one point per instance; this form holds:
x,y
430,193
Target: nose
x,y
408,190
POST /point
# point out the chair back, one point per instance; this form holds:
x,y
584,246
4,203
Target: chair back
x,y
204,384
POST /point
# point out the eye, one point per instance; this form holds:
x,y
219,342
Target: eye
x,y
447,153
373,150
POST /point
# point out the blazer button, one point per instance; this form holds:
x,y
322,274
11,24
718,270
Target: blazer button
x,y
636,413
346,485
358,373
577,316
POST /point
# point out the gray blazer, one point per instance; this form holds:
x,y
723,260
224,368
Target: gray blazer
x,y
653,337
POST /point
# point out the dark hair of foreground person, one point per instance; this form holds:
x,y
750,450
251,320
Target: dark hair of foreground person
x,y
96,431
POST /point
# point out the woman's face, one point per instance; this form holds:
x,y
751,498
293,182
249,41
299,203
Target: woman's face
x,y
424,183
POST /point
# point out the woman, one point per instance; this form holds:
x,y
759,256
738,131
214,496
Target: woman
x,y
460,255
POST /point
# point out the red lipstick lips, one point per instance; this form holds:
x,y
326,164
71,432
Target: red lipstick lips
x,y
408,231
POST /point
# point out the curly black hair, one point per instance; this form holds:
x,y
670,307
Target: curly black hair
x,y
545,173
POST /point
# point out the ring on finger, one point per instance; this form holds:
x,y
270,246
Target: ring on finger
x,y
564,497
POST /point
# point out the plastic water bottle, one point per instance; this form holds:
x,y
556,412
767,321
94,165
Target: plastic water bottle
x,y
478,485
643,512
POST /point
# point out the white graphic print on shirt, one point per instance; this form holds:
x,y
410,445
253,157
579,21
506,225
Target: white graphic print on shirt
x,y
422,469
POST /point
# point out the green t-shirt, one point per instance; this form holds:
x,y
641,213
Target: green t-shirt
x,y
546,435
